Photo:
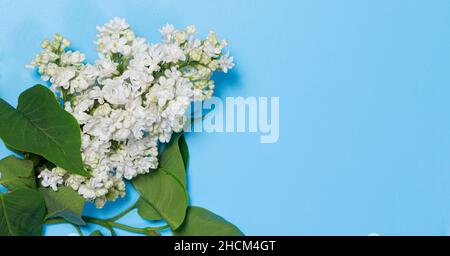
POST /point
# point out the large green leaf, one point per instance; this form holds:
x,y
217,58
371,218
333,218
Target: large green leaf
x,y
17,173
22,213
65,203
201,222
146,211
41,126
164,189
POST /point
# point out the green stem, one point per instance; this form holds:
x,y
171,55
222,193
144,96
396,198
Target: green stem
x,y
120,215
128,228
110,224
103,223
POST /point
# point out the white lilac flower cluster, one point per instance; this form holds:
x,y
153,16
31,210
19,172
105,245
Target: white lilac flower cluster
x,y
132,99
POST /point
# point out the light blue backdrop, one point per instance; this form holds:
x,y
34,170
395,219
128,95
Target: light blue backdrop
x,y
364,91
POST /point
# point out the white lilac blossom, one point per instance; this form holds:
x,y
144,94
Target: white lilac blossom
x,y
133,98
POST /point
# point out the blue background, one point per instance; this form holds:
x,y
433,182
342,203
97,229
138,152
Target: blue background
x,y
364,92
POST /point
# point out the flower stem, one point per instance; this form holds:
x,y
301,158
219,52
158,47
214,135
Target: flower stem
x,y
120,215
110,224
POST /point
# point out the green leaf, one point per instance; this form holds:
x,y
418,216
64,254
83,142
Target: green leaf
x,y
65,203
165,194
41,126
37,159
17,173
172,159
201,222
184,151
164,189
96,233
147,211
22,213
